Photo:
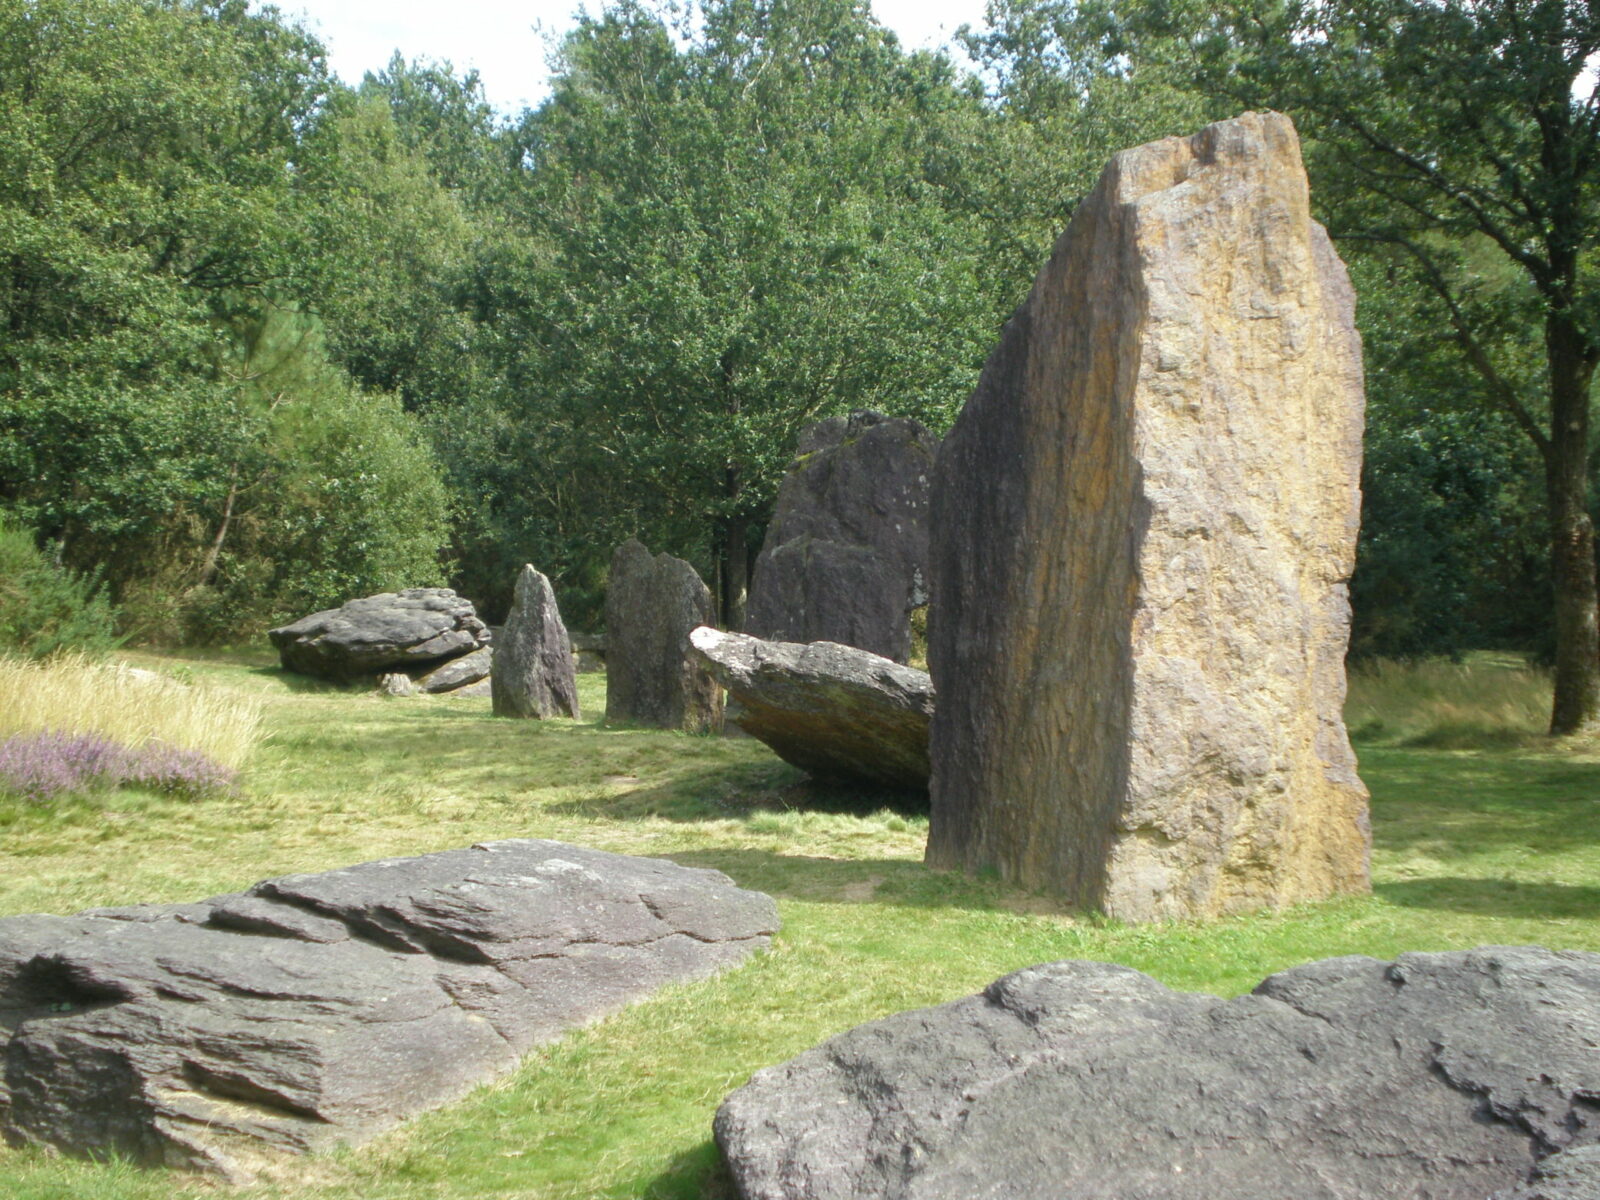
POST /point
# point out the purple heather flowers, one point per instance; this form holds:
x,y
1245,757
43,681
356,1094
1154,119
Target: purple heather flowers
x,y
43,766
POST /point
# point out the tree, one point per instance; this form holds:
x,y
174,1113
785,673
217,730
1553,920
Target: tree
x,y
167,413
743,237
1461,140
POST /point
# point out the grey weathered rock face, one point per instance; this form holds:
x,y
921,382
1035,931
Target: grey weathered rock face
x,y
1145,517
1566,1175
835,711
1446,1076
316,1009
458,673
588,653
412,630
846,555
397,684
651,605
533,669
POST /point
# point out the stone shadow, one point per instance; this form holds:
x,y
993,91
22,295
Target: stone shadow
x,y
295,682
903,883
738,790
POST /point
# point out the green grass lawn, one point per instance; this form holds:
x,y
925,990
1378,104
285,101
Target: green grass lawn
x,y
1498,844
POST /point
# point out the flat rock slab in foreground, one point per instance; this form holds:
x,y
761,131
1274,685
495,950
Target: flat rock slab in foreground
x,y
316,1009
832,710
413,630
1441,1076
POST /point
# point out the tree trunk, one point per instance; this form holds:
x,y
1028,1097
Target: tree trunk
x,y
735,571
734,559
1576,707
208,568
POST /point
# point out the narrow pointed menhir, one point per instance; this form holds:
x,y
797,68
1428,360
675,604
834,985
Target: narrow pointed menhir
x,y
1144,521
533,674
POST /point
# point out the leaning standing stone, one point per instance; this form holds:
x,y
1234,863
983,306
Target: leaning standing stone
x,y
1144,520
846,555
533,674
651,606
834,711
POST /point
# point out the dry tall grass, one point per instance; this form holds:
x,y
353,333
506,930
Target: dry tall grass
x,y
1485,700
132,707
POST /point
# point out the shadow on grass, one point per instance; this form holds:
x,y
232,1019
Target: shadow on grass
x,y
294,682
696,1174
893,881
741,789
1495,897
1471,804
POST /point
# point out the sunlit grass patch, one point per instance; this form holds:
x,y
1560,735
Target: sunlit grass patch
x,y
1484,701
133,708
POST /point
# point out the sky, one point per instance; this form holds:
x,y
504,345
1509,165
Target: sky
x,y
498,37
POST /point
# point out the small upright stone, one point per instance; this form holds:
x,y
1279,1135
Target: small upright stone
x,y
652,604
533,675
1145,520
846,555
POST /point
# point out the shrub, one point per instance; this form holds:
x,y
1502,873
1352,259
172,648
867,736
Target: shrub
x,y
45,608
44,766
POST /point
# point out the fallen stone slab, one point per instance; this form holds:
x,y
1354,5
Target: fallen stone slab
x,y
458,673
411,631
1449,1076
321,1009
832,710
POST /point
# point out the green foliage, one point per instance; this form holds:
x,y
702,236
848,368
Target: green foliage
x,y
46,608
741,238
175,179
334,493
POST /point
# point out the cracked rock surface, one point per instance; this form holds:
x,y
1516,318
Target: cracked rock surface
x,y
1449,1076
315,1009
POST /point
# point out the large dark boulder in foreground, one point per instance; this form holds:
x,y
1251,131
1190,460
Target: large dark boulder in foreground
x,y
846,554
835,711
412,631
1439,1076
1144,520
316,1009
651,679
533,668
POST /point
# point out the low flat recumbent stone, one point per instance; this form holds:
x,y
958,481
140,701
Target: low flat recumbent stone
x,y
412,630
316,1009
1452,1076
